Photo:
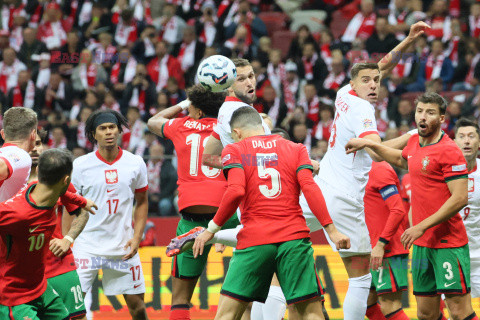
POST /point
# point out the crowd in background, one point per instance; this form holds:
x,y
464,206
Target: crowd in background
x,y
68,58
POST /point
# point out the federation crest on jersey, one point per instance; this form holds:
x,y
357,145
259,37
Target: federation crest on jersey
x,y
425,163
111,176
367,123
15,157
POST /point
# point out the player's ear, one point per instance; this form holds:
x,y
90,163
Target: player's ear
x,y
2,132
33,135
442,118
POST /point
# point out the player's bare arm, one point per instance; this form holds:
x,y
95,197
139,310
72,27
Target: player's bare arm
x,y
393,57
458,200
398,142
156,122
212,152
140,218
392,156
60,246
375,138
4,171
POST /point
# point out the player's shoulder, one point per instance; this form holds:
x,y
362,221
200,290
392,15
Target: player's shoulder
x,y
132,158
231,104
84,160
446,143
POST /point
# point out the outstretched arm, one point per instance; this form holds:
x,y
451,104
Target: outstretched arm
x,y
393,57
156,122
392,156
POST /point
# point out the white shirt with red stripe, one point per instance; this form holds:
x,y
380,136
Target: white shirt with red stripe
x,y
19,163
112,186
222,130
354,118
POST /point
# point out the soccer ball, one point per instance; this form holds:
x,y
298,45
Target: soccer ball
x,y
216,73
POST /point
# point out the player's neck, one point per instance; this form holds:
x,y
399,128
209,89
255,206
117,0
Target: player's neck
x,y
254,132
21,144
108,153
33,174
45,196
434,138
471,164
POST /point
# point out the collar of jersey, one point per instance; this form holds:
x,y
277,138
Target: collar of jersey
x,y
7,144
30,201
230,98
431,144
120,152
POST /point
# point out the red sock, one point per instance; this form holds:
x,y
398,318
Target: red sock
x,y
397,315
180,312
375,313
442,305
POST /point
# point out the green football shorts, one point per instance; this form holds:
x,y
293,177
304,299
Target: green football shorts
x,y
47,306
392,276
68,287
184,265
251,270
436,271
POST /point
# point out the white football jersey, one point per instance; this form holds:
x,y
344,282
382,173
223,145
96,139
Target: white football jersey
x,y
222,130
471,213
354,117
19,164
112,187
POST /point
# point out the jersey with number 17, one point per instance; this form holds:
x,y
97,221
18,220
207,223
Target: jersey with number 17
x,y
197,184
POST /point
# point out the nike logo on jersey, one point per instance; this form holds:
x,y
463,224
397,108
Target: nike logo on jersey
x,y
33,230
446,285
136,286
381,285
108,191
409,157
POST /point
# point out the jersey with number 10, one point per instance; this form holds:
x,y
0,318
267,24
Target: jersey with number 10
x,y
197,184
354,118
270,209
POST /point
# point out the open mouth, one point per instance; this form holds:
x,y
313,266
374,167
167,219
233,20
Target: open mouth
x,y
251,91
422,126
372,95
467,149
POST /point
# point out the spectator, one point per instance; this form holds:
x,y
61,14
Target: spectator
x,y
301,134
127,29
104,52
319,151
382,40
132,138
336,79
30,46
96,20
189,53
263,52
24,94
404,113
52,31
122,72
311,67
271,105
292,86
69,55
170,26
58,94
405,72
436,66
471,67
41,72
9,69
303,36
88,73
57,138
16,31
77,128
254,25
143,148
397,18
144,48
326,40
439,21
310,103
362,24
140,92
164,66
324,127
162,182
175,94
474,20
239,46
110,102
205,25
357,53
78,152
276,70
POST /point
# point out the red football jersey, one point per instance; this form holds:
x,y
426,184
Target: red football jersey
x,y
197,184
55,266
406,190
383,184
272,189
431,167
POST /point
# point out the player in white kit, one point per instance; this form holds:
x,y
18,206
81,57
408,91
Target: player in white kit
x,y
467,137
19,133
113,178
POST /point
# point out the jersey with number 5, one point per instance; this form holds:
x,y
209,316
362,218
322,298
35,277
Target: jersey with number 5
x,y
197,184
270,206
354,118
471,213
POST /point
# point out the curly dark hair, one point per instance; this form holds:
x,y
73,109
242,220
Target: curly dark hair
x,y
205,100
89,124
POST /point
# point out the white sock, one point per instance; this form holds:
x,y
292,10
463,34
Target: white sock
x,y
257,311
355,303
88,303
275,305
227,237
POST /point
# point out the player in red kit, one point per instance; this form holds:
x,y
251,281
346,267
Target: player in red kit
x,y
385,217
438,170
27,222
60,265
200,187
265,176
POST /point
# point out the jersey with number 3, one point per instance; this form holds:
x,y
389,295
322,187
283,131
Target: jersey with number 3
x,y
270,209
197,184
354,118
112,186
471,213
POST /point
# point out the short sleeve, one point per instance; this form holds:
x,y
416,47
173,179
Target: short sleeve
x,y
365,122
231,158
304,161
141,182
169,128
71,208
405,150
76,178
221,130
453,164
